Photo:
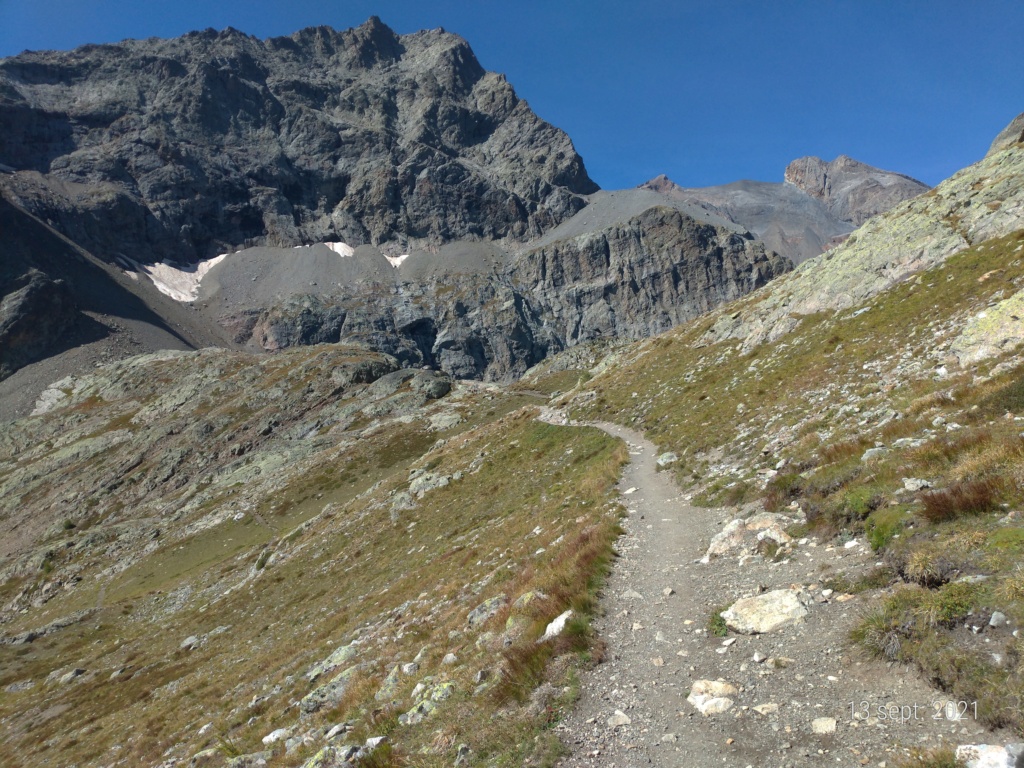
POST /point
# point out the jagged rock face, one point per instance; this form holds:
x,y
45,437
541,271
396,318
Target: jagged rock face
x,y
34,315
851,190
643,276
211,141
632,279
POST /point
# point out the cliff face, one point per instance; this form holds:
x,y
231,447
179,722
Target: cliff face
x,y
215,140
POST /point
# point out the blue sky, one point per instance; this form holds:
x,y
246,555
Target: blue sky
x,y
705,91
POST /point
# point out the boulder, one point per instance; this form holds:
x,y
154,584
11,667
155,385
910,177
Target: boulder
x,y
763,613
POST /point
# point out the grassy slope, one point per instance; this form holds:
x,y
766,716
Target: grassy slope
x,y
790,421
533,510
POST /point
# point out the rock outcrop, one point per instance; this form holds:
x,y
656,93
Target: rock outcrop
x,y
34,316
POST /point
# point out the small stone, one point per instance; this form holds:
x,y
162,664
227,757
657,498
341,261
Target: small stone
x,y
449,658
873,453
275,736
998,619
770,708
190,643
669,738
619,718
758,657
374,741
823,725
915,484
556,627
668,591
411,668
337,730
666,459
710,697
69,676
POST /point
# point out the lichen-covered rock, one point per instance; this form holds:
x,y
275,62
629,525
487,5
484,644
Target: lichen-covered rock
x,y
486,609
339,657
330,693
992,332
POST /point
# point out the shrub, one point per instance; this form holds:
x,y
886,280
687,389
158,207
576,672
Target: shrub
x,y
716,624
782,490
941,757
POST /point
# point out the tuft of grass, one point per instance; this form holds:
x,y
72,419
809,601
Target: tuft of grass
x,y
970,498
716,624
939,757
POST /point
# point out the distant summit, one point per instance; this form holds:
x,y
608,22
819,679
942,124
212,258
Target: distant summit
x,y
852,191
818,204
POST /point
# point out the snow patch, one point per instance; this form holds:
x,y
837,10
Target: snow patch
x,y
180,282
341,249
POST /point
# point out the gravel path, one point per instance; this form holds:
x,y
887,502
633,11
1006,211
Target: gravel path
x,y
658,646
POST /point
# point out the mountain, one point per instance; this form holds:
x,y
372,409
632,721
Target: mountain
x,y
357,186
216,140
817,204
322,558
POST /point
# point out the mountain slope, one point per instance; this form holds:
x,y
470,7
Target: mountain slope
x,y
818,204
873,398
346,549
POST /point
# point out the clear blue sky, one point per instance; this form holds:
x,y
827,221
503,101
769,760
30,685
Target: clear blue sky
x,y
706,91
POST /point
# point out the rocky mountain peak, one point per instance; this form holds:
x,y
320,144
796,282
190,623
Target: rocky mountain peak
x,y
853,191
216,141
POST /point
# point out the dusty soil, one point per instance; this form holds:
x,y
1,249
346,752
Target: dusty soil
x,y
658,645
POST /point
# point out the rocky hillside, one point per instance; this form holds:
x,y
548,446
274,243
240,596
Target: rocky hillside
x,y
365,564
816,206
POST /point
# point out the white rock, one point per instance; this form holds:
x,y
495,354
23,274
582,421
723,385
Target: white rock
x,y
619,718
769,708
763,613
556,627
711,697
998,619
275,736
989,755
915,484
449,658
823,725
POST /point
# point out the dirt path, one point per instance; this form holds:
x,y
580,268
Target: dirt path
x,y
658,646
